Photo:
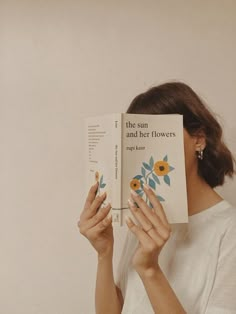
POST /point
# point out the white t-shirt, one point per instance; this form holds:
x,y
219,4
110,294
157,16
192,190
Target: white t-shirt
x,y
199,261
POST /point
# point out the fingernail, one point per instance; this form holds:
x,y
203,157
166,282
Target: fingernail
x,y
133,193
103,194
147,187
130,202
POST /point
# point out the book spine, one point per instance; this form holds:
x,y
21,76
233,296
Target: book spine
x,y
117,171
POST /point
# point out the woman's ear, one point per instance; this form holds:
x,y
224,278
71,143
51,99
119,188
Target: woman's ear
x,y
200,142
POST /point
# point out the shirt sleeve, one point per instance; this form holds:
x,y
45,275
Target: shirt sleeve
x,y
222,299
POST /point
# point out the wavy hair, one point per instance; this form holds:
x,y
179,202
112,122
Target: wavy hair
x,y
179,98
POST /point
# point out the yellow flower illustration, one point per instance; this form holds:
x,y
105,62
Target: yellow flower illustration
x,y
135,184
97,176
161,168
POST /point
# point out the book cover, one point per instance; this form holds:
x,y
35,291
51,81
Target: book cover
x,y
124,151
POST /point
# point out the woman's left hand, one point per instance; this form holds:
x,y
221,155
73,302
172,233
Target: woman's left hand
x,y
153,232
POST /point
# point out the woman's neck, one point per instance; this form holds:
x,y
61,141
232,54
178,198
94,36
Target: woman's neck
x,y
200,195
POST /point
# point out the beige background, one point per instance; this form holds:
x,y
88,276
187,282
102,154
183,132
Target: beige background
x,y
61,61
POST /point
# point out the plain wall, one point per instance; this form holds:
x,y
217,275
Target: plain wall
x,y
59,62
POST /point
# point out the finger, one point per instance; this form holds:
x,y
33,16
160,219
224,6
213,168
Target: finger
x,y
139,215
156,204
98,217
93,233
160,236
150,222
144,238
94,207
91,196
148,212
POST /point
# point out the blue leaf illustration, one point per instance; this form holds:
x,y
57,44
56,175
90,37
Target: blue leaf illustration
x,y
152,183
103,185
138,177
101,180
143,171
156,178
141,194
151,162
146,166
139,191
165,158
167,179
171,168
141,182
160,198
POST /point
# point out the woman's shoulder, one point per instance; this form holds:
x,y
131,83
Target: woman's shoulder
x,y
211,224
224,218
226,212
222,213
228,215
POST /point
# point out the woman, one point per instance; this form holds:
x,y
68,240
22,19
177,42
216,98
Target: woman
x,y
182,268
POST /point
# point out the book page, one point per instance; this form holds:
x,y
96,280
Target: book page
x,y
153,153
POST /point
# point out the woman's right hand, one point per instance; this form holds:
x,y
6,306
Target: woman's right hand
x,y
96,223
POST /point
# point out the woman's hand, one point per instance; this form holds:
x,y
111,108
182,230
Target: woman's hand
x,y
96,224
153,232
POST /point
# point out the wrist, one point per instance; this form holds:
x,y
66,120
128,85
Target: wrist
x,y
107,255
150,272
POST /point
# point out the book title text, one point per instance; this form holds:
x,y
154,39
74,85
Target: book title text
x,y
141,133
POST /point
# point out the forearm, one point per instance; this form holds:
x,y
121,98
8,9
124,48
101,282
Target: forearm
x,y
160,293
106,298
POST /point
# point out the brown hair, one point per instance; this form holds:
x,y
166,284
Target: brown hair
x,y
179,98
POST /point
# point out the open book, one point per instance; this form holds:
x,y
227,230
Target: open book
x,y
124,151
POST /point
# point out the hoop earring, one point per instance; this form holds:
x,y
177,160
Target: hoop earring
x,y
200,154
